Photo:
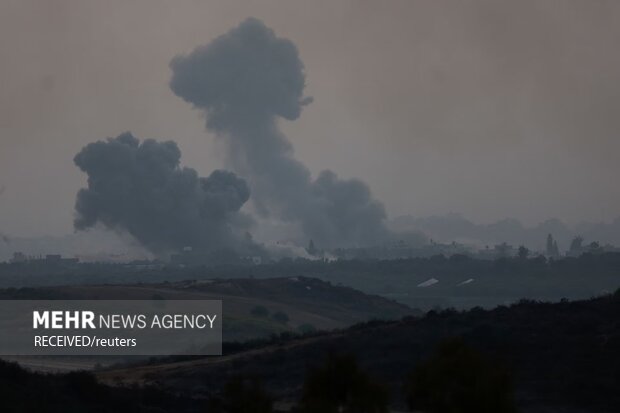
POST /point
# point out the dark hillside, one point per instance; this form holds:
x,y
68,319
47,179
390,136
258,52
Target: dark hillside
x,y
562,355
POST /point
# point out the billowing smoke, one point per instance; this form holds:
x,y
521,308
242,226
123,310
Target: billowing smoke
x,y
139,187
244,81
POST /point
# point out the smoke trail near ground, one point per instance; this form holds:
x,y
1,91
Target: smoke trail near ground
x,y
139,187
245,80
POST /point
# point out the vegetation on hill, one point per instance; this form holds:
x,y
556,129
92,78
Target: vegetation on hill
x,y
560,355
253,307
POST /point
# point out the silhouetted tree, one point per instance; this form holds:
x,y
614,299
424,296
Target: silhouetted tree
x,y
523,252
260,311
458,379
306,328
595,247
576,244
280,317
339,386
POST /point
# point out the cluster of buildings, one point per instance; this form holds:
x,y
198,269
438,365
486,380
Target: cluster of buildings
x,y
400,249
48,259
190,257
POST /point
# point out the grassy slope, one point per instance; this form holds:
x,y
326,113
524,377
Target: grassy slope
x,y
304,300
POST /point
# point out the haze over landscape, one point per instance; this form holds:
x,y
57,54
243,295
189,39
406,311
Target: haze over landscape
x,y
390,206
491,110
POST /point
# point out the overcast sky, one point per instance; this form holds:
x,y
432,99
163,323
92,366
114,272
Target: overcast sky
x,y
488,108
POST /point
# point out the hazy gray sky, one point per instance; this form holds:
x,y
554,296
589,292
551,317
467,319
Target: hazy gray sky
x,y
488,108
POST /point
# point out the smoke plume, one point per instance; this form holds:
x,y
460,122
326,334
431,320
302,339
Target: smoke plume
x,y
139,187
245,80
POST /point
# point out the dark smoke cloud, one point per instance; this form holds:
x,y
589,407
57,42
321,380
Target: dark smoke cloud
x,y
245,80
139,187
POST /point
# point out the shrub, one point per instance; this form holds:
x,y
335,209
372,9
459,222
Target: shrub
x,y
280,317
260,311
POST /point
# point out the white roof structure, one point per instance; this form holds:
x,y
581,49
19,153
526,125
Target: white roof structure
x,y
428,283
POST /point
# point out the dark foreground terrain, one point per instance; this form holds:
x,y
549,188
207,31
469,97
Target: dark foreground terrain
x,y
562,357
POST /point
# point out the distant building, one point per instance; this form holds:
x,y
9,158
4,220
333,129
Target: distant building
x,y
52,260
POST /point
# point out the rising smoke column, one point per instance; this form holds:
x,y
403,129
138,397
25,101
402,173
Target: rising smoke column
x,y
245,80
139,187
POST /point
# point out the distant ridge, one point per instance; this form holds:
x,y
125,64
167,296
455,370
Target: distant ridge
x,y
455,227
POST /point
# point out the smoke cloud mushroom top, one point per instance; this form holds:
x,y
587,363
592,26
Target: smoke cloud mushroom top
x,y
139,187
245,80
248,72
